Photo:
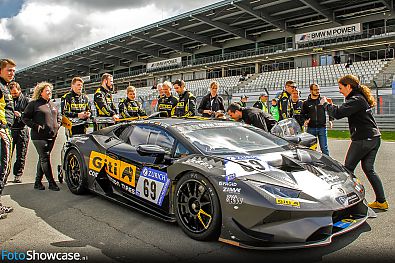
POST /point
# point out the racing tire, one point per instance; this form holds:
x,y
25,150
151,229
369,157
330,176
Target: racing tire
x,y
197,207
75,173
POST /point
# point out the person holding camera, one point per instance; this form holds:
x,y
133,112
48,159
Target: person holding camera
x,y
212,104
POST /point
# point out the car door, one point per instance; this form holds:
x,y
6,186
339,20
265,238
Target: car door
x,y
140,176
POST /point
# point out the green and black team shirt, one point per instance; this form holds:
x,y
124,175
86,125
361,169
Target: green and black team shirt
x,y
167,104
104,104
6,105
72,104
130,108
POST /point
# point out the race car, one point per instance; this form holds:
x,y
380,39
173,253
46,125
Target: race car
x,y
219,180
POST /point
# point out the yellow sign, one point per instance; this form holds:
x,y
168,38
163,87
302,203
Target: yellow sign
x,y
287,202
117,169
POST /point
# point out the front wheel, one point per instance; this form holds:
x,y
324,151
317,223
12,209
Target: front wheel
x,y
75,174
197,207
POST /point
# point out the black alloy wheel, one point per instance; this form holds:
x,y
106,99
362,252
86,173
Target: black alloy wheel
x,y
197,207
75,174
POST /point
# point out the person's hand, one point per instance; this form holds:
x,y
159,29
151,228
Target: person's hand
x,y
115,117
209,112
17,114
81,115
306,122
331,124
323,100
88,114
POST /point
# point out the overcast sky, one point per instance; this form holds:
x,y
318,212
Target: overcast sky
x,y
32,31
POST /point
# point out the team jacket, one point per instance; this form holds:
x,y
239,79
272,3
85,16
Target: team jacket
x,y
284,105
312,110
167,104
43,118
211,103
297,112
258,118
186,106
130,108
103,102
361,122
20,105
72,104
6,106
261,105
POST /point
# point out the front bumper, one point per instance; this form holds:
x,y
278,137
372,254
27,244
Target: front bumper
x,y
281,229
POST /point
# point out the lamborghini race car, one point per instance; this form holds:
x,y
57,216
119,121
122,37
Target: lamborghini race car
x,y
219,180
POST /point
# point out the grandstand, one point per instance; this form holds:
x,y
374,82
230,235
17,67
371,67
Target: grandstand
x,y
270,40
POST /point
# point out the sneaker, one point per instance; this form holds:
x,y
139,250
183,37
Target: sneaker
x,y
2,215
39,186
53,187
6,209
17,180
378,205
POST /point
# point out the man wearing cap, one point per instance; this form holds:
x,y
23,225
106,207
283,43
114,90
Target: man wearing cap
x,y
262,103
285,102
250,115
243,101
186,106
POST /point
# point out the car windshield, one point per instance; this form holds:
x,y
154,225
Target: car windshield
x,y
229,139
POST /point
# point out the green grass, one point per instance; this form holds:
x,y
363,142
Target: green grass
x,y
385,135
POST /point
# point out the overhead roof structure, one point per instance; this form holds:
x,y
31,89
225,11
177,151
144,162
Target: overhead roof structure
x,y
215,26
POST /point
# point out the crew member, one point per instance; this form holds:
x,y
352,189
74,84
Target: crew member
x,y
167,103
75,104
297,105
19,131
186,106
7,74
129,107
262,102
284,100
253,116
103,101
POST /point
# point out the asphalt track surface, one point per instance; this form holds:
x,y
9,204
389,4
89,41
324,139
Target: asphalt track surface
x,y
101,231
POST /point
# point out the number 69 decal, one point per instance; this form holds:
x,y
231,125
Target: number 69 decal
x,y
152,185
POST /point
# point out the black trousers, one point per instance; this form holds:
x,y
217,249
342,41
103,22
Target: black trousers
x,y
5,156
365,151
44,148
20,140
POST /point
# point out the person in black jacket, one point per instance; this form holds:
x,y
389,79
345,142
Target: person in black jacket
x,y
284,100
253,116
103,101
129,107
19,131
167,102
297,106
186,106
7,74
212,104
42,116
315,117
76,105
365,135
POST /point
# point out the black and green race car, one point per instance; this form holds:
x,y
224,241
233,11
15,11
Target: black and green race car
x,y
219,180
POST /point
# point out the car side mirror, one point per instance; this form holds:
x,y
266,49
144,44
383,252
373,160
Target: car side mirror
x,y
151,150
293,139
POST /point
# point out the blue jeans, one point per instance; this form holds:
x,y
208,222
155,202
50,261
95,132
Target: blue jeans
x,y
322,138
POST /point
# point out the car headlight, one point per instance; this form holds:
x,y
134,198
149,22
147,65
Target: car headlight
x,y
278,191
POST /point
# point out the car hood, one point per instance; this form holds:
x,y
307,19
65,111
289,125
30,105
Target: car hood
x,y
314,174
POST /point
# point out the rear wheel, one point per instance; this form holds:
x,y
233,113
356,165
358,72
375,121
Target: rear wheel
x,y
75,174
197,207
